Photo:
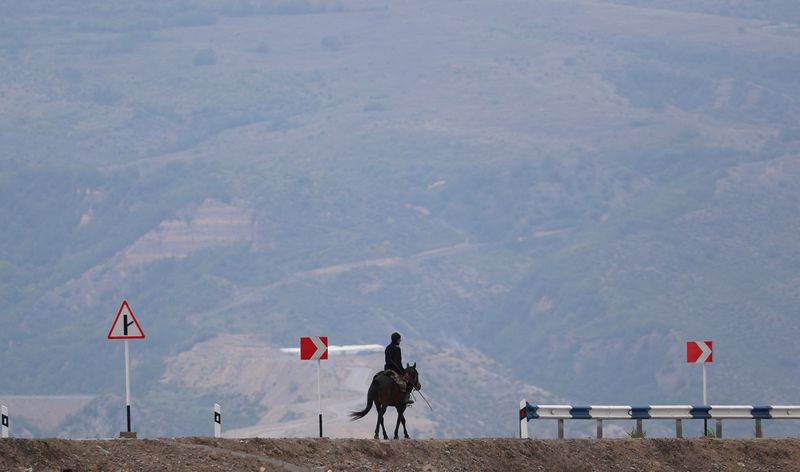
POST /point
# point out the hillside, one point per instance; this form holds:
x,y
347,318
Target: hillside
x,y
267,393
301,455
546,198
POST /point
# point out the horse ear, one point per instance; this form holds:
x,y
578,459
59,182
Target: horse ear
x,y
407,365
415,365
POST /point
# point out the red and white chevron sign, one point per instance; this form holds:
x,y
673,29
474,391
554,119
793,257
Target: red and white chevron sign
x,y
314,348
699,352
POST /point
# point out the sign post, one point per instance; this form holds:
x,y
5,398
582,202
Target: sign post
x,y
701,352
315,348
127,329
319,398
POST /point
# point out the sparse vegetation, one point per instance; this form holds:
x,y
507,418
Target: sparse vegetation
x,y
634,434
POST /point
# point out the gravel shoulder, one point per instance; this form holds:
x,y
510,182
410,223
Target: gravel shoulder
x,y
429,455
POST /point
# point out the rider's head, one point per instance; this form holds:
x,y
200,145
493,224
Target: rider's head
x,y
395,338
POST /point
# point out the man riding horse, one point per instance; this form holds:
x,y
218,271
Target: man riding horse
x,y
393,367
391,387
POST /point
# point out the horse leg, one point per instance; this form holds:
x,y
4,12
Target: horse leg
x,y
380,418
397,425
383,427
403,421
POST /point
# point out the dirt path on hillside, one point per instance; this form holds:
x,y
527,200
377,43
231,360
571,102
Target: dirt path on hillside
x,y
254,295
301,455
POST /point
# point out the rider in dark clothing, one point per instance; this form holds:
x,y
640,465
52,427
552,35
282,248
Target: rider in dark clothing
x,y
394,362
393,355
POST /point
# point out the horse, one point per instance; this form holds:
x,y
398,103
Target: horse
x,y
384,392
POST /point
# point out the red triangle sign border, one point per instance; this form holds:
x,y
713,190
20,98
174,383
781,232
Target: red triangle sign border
x,y
116,320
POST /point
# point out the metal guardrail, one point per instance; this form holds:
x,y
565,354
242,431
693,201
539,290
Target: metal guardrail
x,y
678,413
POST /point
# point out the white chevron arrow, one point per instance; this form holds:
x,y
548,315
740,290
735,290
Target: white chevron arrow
x,y
706,351
321,347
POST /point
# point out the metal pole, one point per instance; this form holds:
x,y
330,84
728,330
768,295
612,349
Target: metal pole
x,y
560,428
705,401
319,398
599,429
127,385
523,421
705,391
678,428
759,432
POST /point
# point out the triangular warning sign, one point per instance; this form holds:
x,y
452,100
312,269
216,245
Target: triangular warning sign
x,y
125,324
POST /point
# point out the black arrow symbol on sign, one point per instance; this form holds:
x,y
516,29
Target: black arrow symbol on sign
x,y
125,324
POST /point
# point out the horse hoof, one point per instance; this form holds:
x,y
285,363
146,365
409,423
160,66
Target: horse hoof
x,y
396,438
407,436
386,437
376,436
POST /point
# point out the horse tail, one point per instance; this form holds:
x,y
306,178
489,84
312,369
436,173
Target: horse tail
x,y
357,415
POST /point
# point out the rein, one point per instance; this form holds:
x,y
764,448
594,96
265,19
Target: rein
x,y
423,397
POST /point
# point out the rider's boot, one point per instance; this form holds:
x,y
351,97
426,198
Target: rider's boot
x,y
407,398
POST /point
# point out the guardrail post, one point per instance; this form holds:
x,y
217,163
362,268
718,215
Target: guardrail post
x,y
599,429
759,432
561,428
639,429
719,428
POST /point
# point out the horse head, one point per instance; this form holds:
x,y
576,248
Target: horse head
x,y
411,370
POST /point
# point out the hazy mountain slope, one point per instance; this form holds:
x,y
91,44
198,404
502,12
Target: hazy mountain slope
x,y
572,188
655,288
782,11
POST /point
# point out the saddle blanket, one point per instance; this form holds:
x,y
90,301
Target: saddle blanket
x,y
398,379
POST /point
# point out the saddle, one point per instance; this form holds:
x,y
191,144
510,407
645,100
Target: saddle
x,y
396,378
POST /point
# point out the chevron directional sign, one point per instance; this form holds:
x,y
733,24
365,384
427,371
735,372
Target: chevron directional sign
x,y
314,348
699,352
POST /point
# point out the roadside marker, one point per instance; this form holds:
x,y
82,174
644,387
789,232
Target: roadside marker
x,y
217,420
3,421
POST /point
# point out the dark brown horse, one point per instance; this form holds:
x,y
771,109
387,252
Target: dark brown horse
x,y
384,392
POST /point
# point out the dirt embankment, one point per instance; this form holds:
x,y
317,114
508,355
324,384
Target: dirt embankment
x,y
300,455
